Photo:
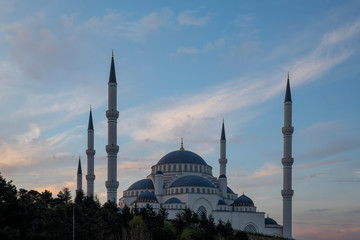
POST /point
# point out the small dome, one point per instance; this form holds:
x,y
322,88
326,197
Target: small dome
x,y
270,221
182,156
243,201
159,172
221,202
142,184
222,176
148,197
192,180
172,200
228,190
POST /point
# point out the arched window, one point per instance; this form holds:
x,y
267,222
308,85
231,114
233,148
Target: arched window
x,y
201,210
250,228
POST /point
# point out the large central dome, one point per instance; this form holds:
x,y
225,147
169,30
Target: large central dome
x,y
182,156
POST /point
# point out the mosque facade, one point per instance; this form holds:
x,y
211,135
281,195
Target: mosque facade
x,y
182,179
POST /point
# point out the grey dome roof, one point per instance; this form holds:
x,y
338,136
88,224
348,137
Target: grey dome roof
x,y
182,156
192,180
222,176
228,190
147,197
172,200
142,184
270,221
243,200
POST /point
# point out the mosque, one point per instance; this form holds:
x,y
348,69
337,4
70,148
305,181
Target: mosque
x,y
182,179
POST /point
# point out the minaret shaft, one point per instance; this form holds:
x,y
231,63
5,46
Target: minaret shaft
x,y
112,148
287,162
90,152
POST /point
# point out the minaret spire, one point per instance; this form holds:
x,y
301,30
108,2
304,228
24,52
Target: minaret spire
x,y
90,152
288,92
112,148
287,162
79,177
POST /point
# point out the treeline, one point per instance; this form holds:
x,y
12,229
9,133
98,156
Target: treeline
x,y
33,215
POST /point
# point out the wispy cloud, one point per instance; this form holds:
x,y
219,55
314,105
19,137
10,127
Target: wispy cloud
x,y
114,24
163,122
188,18
187,50
320,210
268,170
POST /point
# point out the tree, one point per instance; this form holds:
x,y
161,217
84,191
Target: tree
x,y
64,196
138,229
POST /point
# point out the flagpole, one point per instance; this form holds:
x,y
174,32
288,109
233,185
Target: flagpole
x,y
74,223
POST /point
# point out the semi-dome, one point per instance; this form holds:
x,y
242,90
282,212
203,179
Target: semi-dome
x,y
192,180
182,156
147,197
172,200
228,190
243,200
142,184
270,221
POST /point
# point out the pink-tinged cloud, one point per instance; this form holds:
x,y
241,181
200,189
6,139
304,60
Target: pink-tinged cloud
x,y
306,232
268,170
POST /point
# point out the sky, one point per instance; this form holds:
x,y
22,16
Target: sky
x,y
183,66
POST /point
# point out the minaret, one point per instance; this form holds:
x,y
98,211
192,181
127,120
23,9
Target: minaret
x,y
90,152
222,159
112,148
79,177
287,162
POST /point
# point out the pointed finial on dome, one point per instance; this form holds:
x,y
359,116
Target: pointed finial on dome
x,y
182,145
112,52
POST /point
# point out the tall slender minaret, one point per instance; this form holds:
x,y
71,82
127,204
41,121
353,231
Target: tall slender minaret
x,y
112,148
222,159
79,178
287,162
90,152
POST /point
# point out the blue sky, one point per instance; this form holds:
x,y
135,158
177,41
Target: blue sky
x,y
183,66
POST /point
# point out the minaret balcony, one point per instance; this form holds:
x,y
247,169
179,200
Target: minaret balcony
x,y
287,193
287,161
112,114
90,152
90,177
223,160
112,184
112,149
288,130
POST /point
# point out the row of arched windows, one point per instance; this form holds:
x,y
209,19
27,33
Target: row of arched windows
x,y
182,168
191,190
135,193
